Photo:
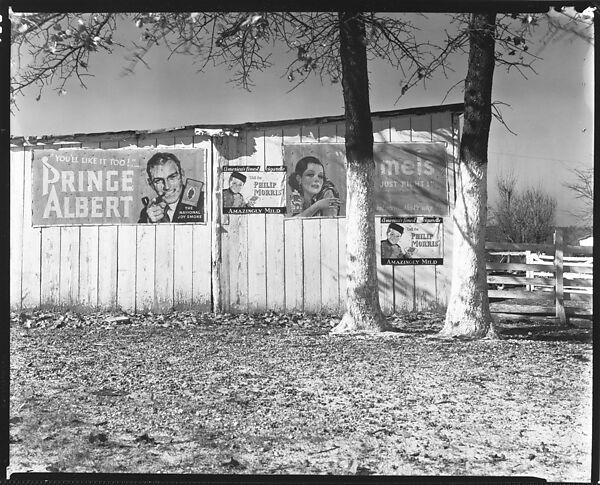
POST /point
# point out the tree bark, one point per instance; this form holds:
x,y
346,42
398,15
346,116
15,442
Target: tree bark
x,y
468,313
363,312
217,144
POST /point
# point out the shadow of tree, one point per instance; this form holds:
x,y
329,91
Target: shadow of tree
x,y
429,323
546,331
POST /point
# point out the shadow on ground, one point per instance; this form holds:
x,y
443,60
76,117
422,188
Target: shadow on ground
x,y
531,328
577,331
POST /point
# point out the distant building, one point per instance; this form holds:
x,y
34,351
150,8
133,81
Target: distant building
x,y
586,241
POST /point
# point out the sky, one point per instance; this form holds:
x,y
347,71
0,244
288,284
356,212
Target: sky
x,y
551,112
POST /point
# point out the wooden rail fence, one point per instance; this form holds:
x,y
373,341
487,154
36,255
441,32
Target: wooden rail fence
x,y
548,279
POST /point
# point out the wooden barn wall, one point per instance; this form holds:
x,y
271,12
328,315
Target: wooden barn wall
x,y
264,262
131,267
273,262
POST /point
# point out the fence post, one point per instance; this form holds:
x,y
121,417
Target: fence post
x,y
528,274
558,267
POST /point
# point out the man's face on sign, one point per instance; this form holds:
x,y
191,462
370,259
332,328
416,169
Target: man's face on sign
x,y
167,181
235,185
393,235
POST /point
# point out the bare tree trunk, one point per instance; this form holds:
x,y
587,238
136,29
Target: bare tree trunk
x,y
468,313
217,146
363,312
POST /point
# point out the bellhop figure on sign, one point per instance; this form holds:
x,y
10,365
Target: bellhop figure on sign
x,y
232,196
390,247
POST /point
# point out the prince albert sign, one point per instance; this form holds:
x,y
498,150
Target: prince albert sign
x,y
150,185
77,187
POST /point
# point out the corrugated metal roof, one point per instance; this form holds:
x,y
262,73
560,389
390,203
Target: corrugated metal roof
x,y
225,129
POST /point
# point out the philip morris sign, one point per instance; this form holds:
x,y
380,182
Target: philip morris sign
x,y
121,186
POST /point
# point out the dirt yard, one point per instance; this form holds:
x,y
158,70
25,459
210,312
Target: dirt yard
x,y
276,394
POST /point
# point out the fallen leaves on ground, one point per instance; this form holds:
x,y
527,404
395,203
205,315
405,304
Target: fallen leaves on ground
x,y
188,392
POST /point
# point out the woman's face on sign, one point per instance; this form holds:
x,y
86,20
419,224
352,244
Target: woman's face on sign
x,y
312,179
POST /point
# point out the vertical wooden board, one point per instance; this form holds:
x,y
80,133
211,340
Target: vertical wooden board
x,y
341,132
110,144
147,140
275,260
221,151
558,278
85,142
145,270
238,241
400,131
214,220
212,231
184,138
32,237
404,288
402,277
107,267
275,244
183,259
201,276
294,277
127,141
385,275
229,239
69,266
443,131
163,264
225,265
330,271
126,267
425,287
254,153
421,128
17,176
257,272
342,263
328,132
88,266
292,134
423,277
238,262
204,142
381,130
441,126
311,251
50,277
443,273
309,133
165,139
273,153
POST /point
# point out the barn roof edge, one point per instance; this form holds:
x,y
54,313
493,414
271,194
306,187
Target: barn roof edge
x,y
221,129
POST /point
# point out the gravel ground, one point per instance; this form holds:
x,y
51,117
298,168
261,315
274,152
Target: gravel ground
x,y
276,394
